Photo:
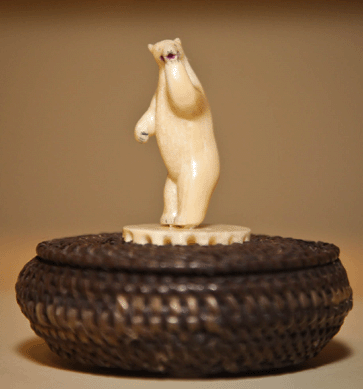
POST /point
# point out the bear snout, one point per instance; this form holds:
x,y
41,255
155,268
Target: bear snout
x,y
169,55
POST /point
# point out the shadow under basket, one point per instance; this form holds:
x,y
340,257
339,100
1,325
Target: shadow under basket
x,y
185,310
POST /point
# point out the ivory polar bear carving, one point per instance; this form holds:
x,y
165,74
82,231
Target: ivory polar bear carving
x,y
180,118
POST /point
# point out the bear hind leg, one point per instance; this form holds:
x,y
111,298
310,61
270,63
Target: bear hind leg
x,y
193,200
170,203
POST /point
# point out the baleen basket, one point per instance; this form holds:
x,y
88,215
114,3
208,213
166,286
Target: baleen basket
x,y
185,310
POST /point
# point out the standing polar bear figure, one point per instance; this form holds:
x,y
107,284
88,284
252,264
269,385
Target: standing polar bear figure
x,y
180,117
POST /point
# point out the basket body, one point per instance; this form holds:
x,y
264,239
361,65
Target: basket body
x,y
185,320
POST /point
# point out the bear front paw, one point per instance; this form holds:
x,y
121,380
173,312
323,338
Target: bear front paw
x,y
141,136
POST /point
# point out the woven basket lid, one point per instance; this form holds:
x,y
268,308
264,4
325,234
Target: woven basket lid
x,y
261,254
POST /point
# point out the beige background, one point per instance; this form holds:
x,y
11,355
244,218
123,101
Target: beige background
x,y
285,83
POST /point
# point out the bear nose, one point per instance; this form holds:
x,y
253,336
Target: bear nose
x,y
170,49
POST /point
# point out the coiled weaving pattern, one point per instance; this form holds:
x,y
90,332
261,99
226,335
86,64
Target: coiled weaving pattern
x,y
181,321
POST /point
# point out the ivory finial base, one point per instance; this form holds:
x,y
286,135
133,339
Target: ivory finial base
x,y
204,235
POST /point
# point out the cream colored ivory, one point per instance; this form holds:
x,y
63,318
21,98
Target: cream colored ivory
x,y
180,117
203,235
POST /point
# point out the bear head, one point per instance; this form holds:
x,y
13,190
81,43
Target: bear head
x,y
167,50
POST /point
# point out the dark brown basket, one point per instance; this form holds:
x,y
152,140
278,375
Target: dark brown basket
x,y
185,310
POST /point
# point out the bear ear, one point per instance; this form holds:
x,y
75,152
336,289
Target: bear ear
x,y
177,40
150,47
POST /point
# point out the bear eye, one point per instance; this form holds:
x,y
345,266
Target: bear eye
x,y
171,56
162,58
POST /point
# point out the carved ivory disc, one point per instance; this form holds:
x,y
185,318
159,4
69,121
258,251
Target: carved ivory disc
x,y
203,235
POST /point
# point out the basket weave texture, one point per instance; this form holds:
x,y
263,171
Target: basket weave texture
x,y
185,310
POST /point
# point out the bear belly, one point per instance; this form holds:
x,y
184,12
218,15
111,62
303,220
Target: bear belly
x,y
174,146
181,141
